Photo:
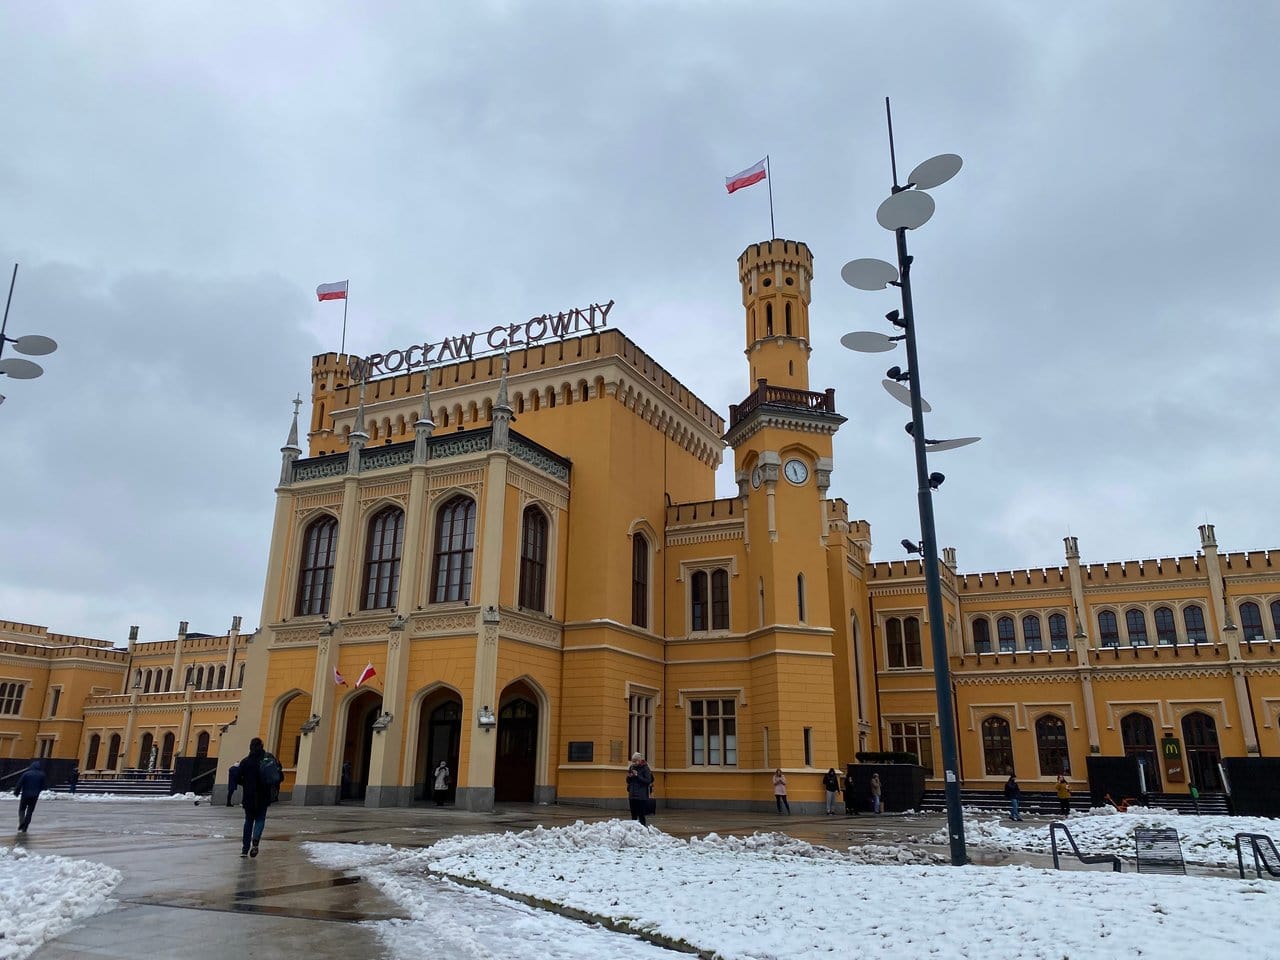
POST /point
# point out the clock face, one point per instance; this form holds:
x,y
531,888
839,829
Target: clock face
x,y
756,477
796,471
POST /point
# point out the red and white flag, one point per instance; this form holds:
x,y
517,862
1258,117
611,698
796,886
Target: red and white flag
x,y
367,674
338,678
332,291
753,174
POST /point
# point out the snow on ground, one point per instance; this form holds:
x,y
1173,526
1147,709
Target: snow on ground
x,y
770,896
1206,840
51,796
42,897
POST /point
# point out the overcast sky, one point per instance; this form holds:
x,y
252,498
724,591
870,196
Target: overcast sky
x,y
1096,295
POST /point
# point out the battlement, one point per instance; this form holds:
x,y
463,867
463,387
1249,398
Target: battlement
x,y
192,643
791,254
1031,578
1252,561
888,569
41,635
1166,568
704,511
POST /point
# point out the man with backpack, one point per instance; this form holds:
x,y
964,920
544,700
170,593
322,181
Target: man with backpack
x,y
259,776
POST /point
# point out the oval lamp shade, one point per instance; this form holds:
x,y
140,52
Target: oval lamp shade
x,y
910,209
34,345
952,444
902,393
868,273
20,369
867,341
935,171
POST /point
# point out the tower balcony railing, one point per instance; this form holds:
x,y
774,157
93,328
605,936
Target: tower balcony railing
x,y
767,395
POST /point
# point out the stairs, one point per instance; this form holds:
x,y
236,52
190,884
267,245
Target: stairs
x,y
1044,804
130,783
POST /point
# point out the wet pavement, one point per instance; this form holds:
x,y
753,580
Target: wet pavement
x,y
187,893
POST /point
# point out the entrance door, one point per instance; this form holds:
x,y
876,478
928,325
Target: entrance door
x,y
1200,736
361,715
444,735
1139,735
517,752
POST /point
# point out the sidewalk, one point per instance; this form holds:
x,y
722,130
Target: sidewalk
x,y
187,893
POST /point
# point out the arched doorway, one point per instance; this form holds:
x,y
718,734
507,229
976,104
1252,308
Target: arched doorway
x,y
439,738
358,745
516,763
1200,738
113,751
144,754
293,714
1139,736
166,751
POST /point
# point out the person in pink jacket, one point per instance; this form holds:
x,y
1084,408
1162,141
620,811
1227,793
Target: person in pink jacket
x,y
780,790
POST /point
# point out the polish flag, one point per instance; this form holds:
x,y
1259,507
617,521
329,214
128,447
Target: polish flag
x,y
368,673
746,178
338,678
333,291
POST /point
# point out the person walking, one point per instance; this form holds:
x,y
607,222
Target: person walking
x,y
875,793
440,783
1013,793
1064,797
780,791
27,790
831,783
639,786
850,793
73,777
259,776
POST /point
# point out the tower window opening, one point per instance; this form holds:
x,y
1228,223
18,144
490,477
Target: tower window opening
x,y
787,311
766,282
791,368
768,319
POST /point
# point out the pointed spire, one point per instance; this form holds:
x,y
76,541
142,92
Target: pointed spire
x,y
290,451
502,410
425,426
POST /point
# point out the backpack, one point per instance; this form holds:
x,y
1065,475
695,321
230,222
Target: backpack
x,y
269,771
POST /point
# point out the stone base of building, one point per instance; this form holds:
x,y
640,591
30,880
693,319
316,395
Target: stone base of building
x,y
544,794
388,796
476,799
314,795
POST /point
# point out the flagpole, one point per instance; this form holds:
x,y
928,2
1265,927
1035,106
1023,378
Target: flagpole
x,y
343,349
768,175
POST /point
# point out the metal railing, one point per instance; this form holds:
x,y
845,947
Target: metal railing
x,y
1260,859
1057,825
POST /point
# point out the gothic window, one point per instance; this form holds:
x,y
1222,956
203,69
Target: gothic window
x,y
981,635
720,600
911,642
768,319
455,548
1250,621
1057,632
698,601
113,751
1051,742
315,578
1031,632
997,747
202,744
382,559
1108,629
787,312
893,637
1005,634
639,580
533,559
1275,617
1135,621
1166,630
95,744
1193,617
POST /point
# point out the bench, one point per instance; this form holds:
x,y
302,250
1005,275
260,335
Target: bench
x,y
1091,858
1265,855
1159,851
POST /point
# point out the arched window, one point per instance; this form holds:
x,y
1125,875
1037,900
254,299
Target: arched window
x,y
1051,742
222,677
240,682
1250,621
168,680
208,678
533,559
1275,617
911,641
1108,629
190,677
113,751
768,319
1193,617
800,596
455,548
997,747
1057,631
1200,735
91,760
146,681
1135,621
1166,630
639,580
720,600
1005,634
315,577
698,601
202,744
1031,632
144,754
199,678
382,559
787,312
1138,734
166,751
981,635
893,637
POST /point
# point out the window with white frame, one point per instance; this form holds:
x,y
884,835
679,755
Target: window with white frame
x,y
640,725
11,698
913,736
708,600
713,733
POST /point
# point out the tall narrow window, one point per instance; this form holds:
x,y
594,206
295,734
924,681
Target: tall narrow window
x,y
1166,629
382,559
1031,632
1108,629
1250,621
1135,621
640,708
893,640
315,577
202,744
1051,742
997,747
639,580
720,600
808,746
698,601
768,319
113,751
800,596
91,760
1275,617
787,313
1006,635
533,560
240,682
1193,617
911,642
455,548
981,635
1058,631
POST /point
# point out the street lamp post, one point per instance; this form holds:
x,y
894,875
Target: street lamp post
x,y
32,345
905,209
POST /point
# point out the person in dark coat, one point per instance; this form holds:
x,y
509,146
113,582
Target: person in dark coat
x,y
255,797
1013,793
73,777
639,786
27,790
233,781
831,784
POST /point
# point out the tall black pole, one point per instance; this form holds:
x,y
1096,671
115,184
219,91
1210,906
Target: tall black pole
x,y
4,325
932,582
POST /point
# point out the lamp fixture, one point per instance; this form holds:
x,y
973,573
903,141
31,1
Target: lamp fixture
x,y
912,547
383,721
486,719
310,724
935,480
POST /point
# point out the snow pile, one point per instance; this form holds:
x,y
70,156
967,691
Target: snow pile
x,y
772,897
51,796
42,897
1206,840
